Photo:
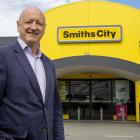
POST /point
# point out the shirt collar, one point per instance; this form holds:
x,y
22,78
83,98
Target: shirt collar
x,y
22,43
27,49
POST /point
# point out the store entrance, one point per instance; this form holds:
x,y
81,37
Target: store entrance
x,y
92,99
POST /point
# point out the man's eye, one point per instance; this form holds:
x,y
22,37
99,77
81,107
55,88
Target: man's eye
x,y
28,22
39,23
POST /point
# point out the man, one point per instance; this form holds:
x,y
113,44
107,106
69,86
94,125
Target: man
x,y
29,104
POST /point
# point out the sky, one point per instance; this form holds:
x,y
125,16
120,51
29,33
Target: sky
x,y
10,10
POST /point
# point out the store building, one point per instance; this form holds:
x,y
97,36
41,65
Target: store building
x,y
95,47
96,51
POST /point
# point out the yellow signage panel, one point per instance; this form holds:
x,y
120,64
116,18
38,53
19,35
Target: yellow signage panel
x,y
79,34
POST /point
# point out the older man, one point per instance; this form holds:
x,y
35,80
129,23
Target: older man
x,y
30,108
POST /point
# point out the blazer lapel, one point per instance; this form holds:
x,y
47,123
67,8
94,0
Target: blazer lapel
x,y
23,60
47,73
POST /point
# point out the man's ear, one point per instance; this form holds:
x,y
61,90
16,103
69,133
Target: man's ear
x,y
17,25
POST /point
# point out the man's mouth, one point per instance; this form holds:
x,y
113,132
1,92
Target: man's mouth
x,y
33,33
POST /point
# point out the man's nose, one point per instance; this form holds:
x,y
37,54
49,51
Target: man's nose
x,y
34,26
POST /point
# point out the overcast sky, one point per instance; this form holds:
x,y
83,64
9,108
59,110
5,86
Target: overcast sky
x,y
10,9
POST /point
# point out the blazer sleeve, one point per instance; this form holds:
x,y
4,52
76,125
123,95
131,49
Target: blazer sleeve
x,y
3,75
58,117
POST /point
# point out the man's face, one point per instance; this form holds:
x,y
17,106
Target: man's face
x,y
31,26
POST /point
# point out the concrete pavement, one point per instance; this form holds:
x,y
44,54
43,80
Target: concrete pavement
x,y
90,130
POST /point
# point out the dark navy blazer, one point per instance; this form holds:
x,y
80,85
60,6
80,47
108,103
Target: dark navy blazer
x,y
23,115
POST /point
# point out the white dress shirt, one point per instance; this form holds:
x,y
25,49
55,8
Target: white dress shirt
x,y
37,66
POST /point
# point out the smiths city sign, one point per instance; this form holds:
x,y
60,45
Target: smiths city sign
x,y
75,34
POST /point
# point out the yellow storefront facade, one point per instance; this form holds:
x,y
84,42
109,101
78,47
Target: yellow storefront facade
x,y
95,47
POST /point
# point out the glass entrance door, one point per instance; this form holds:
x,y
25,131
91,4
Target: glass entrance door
x,y
102,93
80,100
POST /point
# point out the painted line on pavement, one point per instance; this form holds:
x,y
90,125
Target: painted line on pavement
x,y
117,136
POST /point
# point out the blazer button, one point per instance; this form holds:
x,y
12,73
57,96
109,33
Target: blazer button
x,y
45,109
44,129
